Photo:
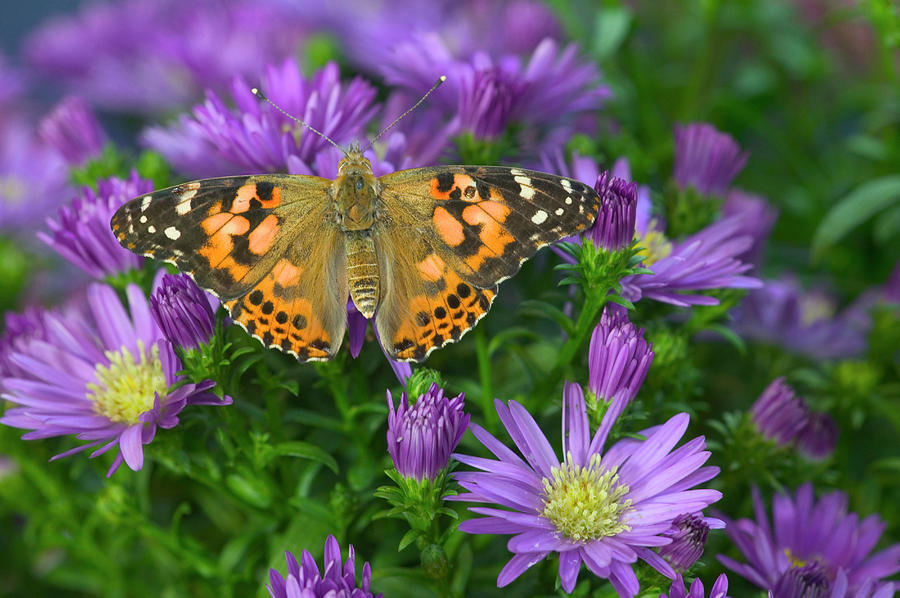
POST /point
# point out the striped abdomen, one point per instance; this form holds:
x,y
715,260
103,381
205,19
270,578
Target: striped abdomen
x,y
362,270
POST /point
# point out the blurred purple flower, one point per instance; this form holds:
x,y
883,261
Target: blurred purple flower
x,y
73,130
818,437
153,56
618,358
19,329
255,137
602,508
12,85
688,533
708,259
614,227
304,580
719,589
706,159
779,414
421,436
183,312
803,322
103,377
891,290
356,330
757,217
377,34
33,179
812,545
81,232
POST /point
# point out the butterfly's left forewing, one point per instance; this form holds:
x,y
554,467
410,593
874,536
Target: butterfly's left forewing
x,y
450,234
264,244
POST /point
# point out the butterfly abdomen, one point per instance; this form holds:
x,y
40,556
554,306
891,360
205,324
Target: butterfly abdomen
x,y
362,271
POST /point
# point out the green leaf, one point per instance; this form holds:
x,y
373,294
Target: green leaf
x,y
610,28
858,206
305,450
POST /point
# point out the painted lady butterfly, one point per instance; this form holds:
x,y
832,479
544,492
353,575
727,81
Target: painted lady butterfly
x,y
420,250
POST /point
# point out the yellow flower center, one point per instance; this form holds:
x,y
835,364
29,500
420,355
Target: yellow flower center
x,y
12,189
654,244
795,562
585,503
127,387
815,308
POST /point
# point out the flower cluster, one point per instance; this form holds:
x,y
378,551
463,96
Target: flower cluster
x,y
338,579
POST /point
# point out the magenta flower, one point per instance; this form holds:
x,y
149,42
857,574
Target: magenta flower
x,y
818,437
18,330
618,358
338,579
614,228
153,56
184,313
812,546
601,508
73,130
421,436
104,376
255,137
81,232
706,159
719,589
757,217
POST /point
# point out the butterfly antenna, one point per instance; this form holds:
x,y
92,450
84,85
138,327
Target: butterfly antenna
x,y
255,91
414,106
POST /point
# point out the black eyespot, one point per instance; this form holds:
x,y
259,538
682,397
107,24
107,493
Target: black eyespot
x,y
359,184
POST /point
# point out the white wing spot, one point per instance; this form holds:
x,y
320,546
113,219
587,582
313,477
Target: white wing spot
x,y
145,202
539,217
568,201
151,229
173,233
516,172
527,191
567,185
559,211
143,220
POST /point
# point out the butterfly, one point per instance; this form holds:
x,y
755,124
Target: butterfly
x,y
421,251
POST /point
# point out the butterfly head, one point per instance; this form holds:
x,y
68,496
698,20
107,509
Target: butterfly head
x,y
355,191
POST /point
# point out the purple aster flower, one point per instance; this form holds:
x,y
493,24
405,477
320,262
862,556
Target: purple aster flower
x,y
706,159
614,228
708,259
33,178
803,322
757,216
73,130
81,232
338,580
812,545
618,358
104,377
356,330
601,508
779,414
688,533
12,85
818,437
153,56
483,96
719,589
421,436
183,311
256,137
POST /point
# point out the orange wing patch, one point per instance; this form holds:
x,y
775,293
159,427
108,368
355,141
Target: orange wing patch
x,y
442,316
276,313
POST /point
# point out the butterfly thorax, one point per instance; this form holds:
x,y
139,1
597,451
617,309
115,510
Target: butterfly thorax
x,y
356,194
